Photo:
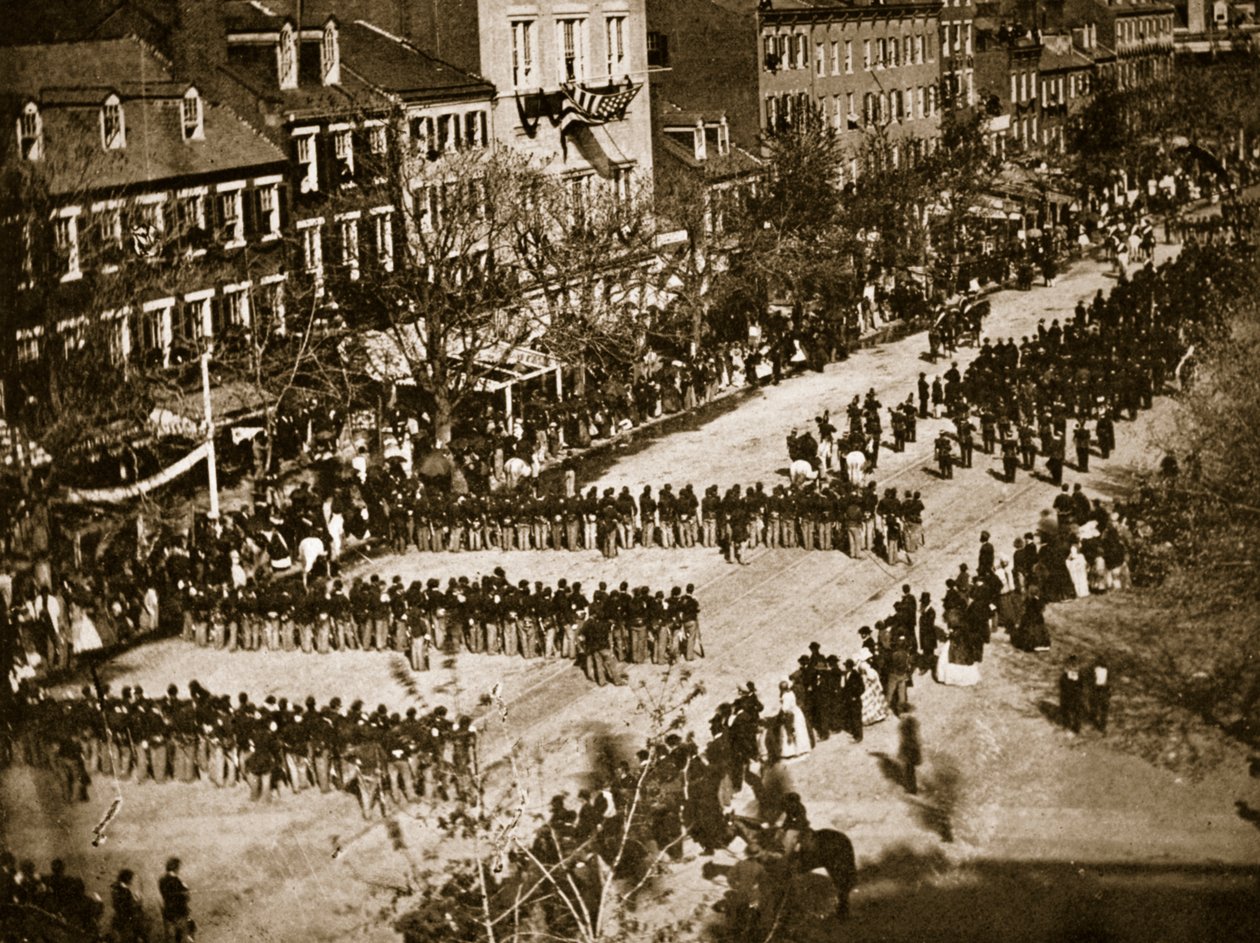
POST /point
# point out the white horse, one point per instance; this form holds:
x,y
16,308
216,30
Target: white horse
x,y
855,463
517,469
310,549
802,472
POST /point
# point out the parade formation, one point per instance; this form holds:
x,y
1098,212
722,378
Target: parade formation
x,y
655,522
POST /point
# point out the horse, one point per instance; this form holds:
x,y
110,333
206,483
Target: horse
x,y
855,463
802,472
824,848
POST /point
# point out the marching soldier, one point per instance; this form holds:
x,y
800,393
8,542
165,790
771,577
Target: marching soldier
x,y
944,455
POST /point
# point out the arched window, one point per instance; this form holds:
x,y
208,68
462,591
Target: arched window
x,y
286,57
31,132
113,124
330,55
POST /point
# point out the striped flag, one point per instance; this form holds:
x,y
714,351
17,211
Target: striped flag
x,y
587,106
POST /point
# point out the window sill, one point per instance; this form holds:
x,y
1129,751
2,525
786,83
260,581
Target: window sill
x,y
71,277
270,237
234,244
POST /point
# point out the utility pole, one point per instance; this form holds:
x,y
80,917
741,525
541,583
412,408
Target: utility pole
x,y
212,471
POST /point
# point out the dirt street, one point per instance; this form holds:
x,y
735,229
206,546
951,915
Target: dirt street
x,y
1001,782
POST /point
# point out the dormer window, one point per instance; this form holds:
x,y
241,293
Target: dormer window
x,y
724,139
191,116
113,128
330,55
31,132
700,145
286,57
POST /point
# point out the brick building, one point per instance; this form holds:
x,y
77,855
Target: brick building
x,y
159,195
856,67
1008,61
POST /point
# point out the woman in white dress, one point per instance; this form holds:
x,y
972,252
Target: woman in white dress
x,y
83,630
1078,570
793,729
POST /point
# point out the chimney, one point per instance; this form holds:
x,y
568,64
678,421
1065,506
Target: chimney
x,y
199,42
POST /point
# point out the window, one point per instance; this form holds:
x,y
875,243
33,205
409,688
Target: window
x,y
523,53
268,211
231,227
348,237
835,57
378,140
196,316
802,52
304,148
623,185
66,240
967,39
918,50
107,232
894,53
148,224
1014,88
849,109
312,247
190,214
286,58
30,132
191,117
785,51
931,100
848,56
151,328
29,343
236,307
658,50
837,113
343,149
866,55
113,130
571,42
907,104
383,238
330,55
615,28
820,61
920,103
881,53
907,51
475,129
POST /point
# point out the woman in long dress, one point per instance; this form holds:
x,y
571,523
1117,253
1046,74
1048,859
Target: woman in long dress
x,y
1078,570
83,630
954,666
874,703
1032,634
793,728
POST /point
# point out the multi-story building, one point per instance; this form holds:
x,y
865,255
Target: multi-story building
x,y
1139,31
1008,59
353,106
694,155
569,75
157,194
958,80
855,68
1067,75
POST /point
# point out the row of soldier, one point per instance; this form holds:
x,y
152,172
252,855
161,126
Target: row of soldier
x,y
489,615
269,747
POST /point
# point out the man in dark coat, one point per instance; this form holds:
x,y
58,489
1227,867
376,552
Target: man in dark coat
x,y
854,688
927,631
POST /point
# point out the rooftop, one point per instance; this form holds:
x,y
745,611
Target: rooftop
x,y
70,81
